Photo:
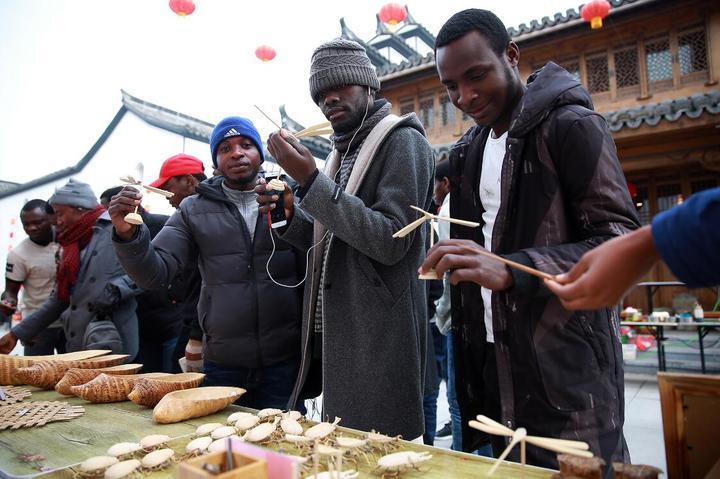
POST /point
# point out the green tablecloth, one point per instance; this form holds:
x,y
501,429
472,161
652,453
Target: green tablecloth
x,y
56,446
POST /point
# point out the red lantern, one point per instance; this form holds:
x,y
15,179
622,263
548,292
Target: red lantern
x,y
632,189
392,13
594,12
182,7
265,53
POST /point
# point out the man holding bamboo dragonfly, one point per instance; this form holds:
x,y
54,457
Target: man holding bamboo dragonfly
x,y
540,174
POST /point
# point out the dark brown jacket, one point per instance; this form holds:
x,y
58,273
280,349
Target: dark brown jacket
x,y
560,373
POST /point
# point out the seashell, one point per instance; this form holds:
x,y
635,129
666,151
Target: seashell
x,y
149,391
297,439
122,469
199,444
234,417
323,429
46,374
402,459
334,475
123,449
97,464
9,364
379,438
324,450
157,458
294,415
189,403
267,412
261,432
77,376
350,442
291,426
223,431
221,444
153,440
109,388
207,428
246,422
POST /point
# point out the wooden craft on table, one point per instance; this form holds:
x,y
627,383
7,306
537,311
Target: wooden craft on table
x,y
432,219
10,363
564,446
12,394
46,374
218,465
149,391
76,376
38,413
134,218
110,388
190,403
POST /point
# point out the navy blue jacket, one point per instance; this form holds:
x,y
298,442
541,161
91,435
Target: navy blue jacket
x,y
688,238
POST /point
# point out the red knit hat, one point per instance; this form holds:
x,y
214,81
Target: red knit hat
x,y
177,165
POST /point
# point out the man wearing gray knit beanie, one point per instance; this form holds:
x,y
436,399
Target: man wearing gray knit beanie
x,y
364,320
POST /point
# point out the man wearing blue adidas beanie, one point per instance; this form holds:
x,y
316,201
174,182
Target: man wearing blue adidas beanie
x,y
250,324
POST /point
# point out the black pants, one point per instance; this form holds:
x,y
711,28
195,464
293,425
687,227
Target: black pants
x,y
46,343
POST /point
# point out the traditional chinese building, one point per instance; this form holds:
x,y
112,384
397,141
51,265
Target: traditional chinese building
x,y
652,71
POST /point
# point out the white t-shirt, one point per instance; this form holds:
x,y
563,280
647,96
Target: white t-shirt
x,y
34,266
493,157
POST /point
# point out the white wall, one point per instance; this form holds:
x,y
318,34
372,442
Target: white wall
x,y
133,141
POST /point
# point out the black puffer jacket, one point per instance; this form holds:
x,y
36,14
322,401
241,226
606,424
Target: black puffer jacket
x,y
247,320
563,192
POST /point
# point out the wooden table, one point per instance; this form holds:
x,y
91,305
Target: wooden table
x,y
57,446
703,328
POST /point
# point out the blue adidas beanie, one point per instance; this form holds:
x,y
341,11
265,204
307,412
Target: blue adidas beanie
x,y
234,126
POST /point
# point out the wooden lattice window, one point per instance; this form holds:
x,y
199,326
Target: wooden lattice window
x,y
658,60
627,73
692,54
642,203
406,107
572,66
668,195
427,111
703,184
598,76
447,111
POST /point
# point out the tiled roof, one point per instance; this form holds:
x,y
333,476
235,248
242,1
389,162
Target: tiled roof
x,y
671,110
570,17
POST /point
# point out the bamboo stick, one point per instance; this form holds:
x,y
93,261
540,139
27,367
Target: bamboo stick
x,y
518,435
407,229
310,129
512,264
325,131
268,117
470,224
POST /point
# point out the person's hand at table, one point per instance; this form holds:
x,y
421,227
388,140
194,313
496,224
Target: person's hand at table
x,y
120,205
8,342
7,307
603,275
292,156
456,256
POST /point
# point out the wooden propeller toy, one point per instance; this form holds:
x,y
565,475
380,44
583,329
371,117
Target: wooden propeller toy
x,y
432,219
563,446
134,218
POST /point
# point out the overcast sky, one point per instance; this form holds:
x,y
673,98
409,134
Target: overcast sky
x,y
63,63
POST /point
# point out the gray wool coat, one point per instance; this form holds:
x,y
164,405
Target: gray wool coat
x,y
102,289
373,346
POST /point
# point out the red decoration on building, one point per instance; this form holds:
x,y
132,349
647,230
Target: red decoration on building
x,y
182,7
594,11
265,53
632,189
392,13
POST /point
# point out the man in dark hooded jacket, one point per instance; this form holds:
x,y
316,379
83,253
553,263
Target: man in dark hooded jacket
x,y
541,175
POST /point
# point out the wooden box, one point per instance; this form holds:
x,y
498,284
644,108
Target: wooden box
x,y
246,467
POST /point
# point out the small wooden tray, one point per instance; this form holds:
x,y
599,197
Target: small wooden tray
x,y
246,467
37,413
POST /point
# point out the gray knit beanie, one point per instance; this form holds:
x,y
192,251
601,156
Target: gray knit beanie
x,y
74,193
340,62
